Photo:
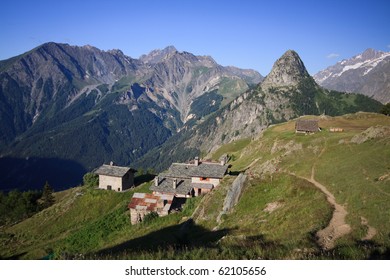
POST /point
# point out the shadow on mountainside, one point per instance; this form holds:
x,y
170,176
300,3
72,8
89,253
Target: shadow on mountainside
x,y
144,178
14,257
184,235
32,173
190,241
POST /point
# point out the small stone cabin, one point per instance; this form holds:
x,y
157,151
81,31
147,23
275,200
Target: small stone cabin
x,y
306,126
117,178
190,179
142,204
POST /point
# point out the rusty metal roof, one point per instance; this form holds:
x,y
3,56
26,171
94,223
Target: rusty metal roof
x,y
150,202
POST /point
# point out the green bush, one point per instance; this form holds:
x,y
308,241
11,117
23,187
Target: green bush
x,y
16,206
150,217
385,109
91,180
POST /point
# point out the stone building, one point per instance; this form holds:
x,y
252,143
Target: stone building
x,y
190,179
306,126
115,178
142,204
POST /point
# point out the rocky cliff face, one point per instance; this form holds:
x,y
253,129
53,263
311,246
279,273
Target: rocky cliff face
x,y
288,70
157,55
181,77
270,102
367,73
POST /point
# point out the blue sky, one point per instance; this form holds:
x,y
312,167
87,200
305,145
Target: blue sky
x,y
243,33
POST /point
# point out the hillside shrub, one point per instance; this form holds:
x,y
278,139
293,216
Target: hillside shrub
x,y
385,109
16,206
91,180
150,217
47,196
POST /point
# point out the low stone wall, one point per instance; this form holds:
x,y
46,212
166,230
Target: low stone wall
x,y
233,195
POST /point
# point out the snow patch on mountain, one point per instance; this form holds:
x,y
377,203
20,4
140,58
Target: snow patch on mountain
x,y
356,75
368,64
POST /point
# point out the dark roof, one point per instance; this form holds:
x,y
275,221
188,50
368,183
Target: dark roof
x,y
112,170
204,169
184,186
202,186
306,125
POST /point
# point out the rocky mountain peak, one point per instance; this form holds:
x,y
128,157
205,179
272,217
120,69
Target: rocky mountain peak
x,y
288,70
370,54
158,55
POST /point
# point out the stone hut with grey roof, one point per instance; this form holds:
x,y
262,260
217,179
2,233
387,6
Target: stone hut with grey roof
x,y
306,126
190,179
117,178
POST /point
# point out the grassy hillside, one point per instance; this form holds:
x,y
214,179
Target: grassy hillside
x,y
82,221
279,215
354,166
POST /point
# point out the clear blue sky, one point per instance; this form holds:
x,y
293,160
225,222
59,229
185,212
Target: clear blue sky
x,y
243,33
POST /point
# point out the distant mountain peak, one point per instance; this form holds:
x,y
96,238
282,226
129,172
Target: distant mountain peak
x,y
170,49
288,70
365,73
371,53
158,55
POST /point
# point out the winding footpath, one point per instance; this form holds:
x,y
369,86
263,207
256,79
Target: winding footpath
x,y
337,226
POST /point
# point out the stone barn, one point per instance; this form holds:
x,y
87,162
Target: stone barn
x,y
116,178
186,180
142,204
306,126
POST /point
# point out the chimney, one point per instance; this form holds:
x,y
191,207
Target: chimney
x,y
174,184
223,159
111,163
156,181
196,161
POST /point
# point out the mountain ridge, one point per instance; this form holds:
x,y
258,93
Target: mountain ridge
x,y
57,93
366,73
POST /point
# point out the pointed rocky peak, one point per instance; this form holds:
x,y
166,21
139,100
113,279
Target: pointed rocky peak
x,y
288,70
369,54
158,55
169,49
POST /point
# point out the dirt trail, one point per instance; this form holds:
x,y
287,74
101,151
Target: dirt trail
x,y
337,226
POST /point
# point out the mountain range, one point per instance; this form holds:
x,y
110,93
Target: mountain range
x,y
78,107
366,73
66,110
287,92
